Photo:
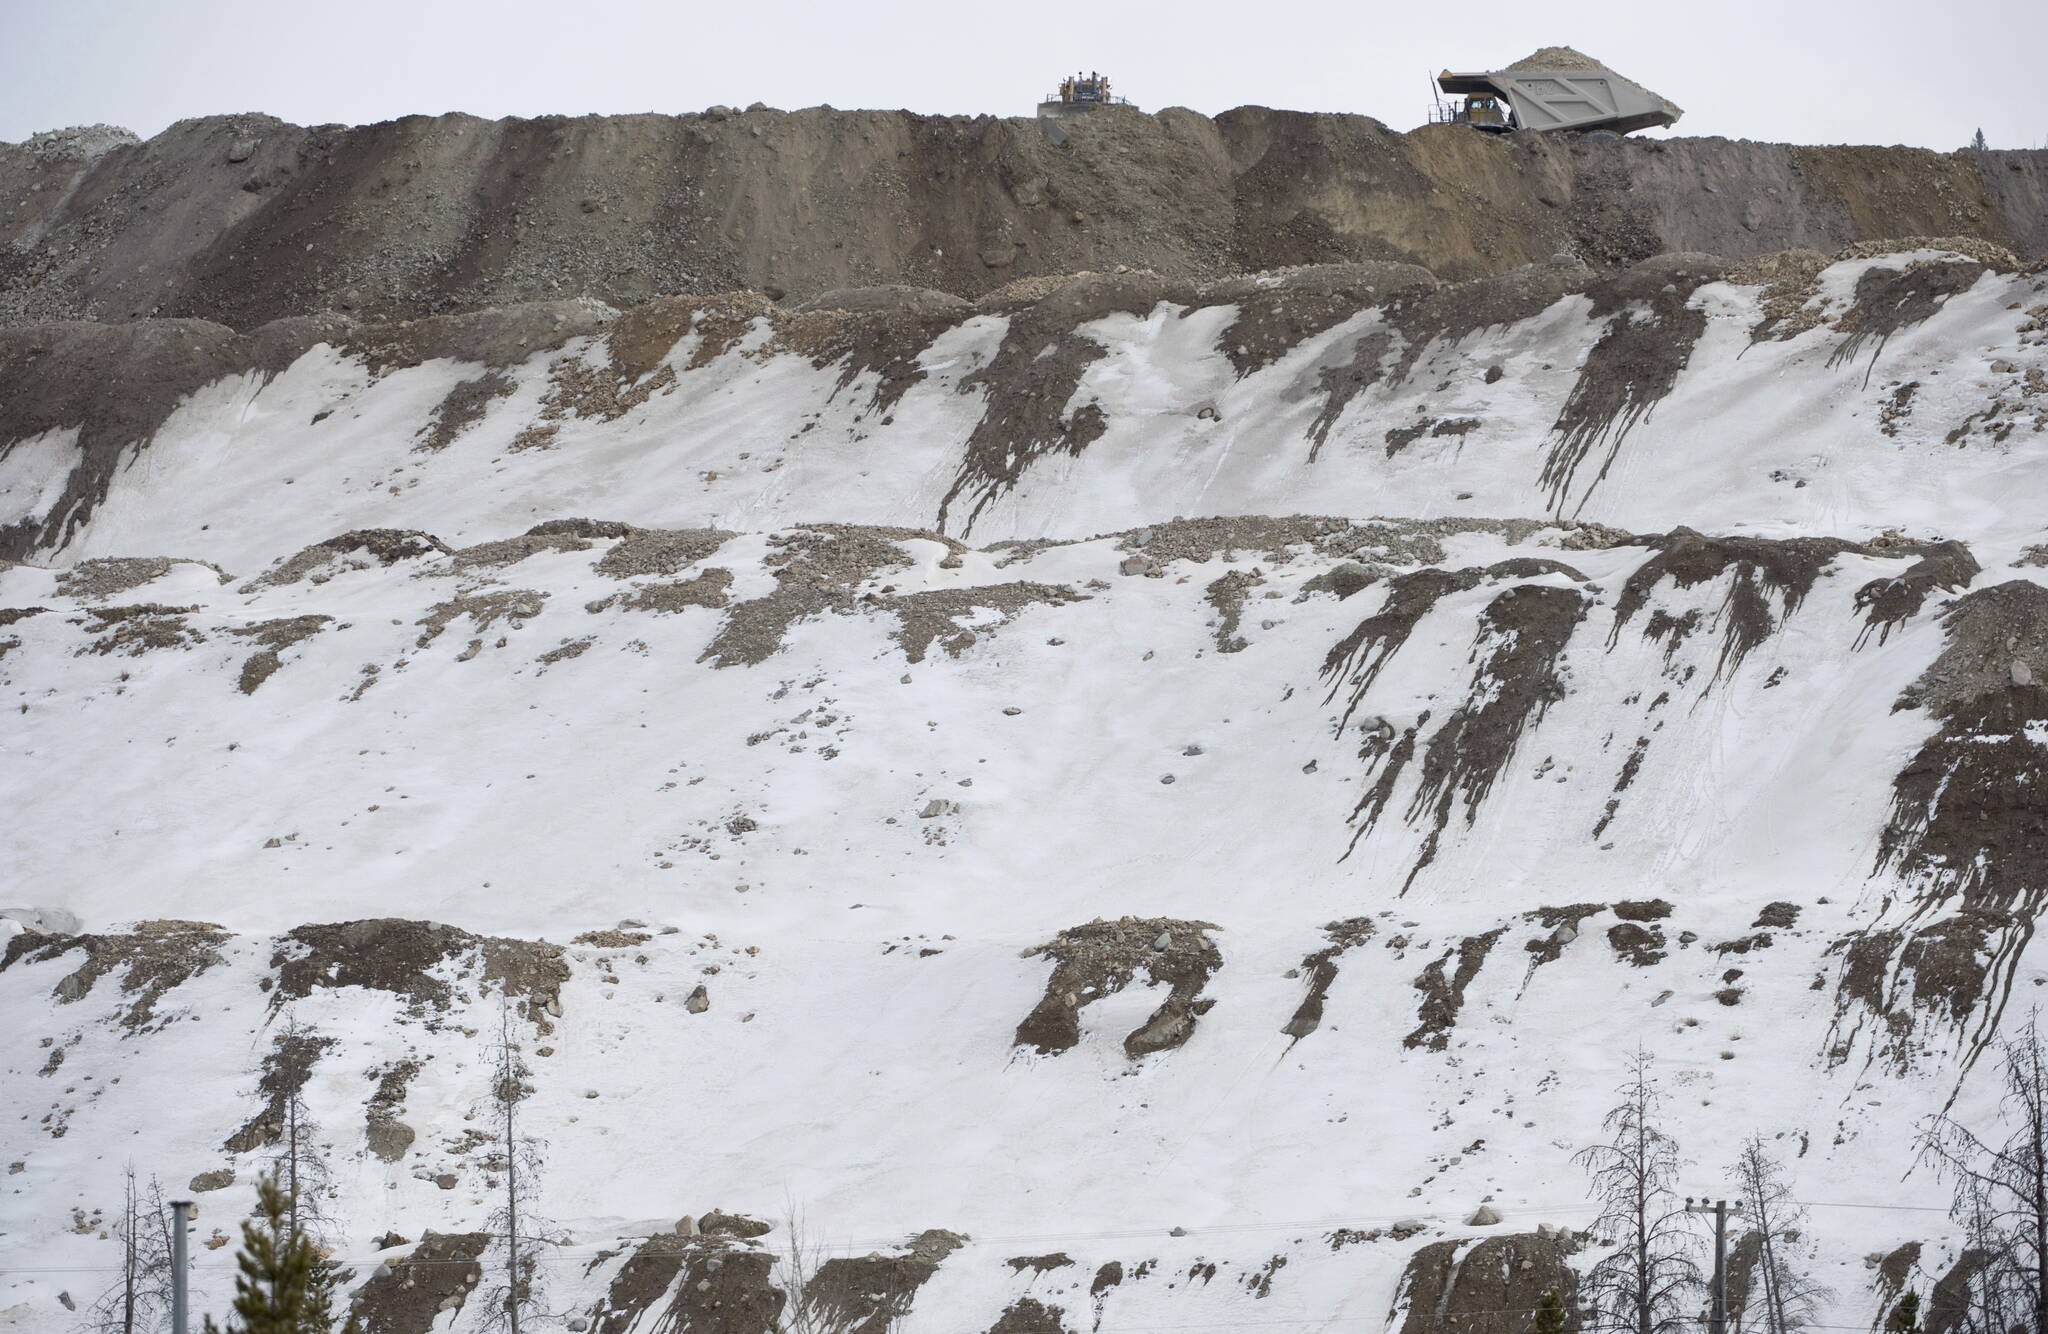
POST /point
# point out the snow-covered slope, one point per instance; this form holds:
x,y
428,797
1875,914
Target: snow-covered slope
x,y
885,801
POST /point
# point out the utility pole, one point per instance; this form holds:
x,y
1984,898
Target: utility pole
x,y
1717,1315
181,1210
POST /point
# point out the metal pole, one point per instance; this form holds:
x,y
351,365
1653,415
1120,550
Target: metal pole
x,y
1719,1322
180,1211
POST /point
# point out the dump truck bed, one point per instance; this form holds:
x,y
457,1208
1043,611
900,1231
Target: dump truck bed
x,y
1588,97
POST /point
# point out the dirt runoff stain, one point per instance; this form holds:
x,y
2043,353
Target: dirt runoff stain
x,y
1651,331
1888,300
286,1068
1416,320
1101,959
1030,384
1320,968
1443,984
868,1294
714,1287
1965,837
1890,603
1517,657
1759,570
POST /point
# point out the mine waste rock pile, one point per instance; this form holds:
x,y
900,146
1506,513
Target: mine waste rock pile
x,y
874,723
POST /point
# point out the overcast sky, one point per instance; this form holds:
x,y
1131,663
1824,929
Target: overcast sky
x,y
1802,71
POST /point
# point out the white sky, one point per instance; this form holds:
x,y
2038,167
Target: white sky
x,y
1801,71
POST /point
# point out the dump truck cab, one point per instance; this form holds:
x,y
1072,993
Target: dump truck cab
x,y
1482,111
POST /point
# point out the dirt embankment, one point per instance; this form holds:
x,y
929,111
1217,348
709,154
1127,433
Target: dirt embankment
x,y
244,219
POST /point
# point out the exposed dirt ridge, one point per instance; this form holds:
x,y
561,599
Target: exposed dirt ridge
x,y
52,374
216,218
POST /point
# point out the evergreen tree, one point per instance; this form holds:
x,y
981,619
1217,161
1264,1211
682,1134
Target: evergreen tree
x,y
1977,144
1905,1317
283,1286
1550,1314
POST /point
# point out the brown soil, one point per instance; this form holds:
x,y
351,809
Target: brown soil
x,y
1031,379
643,551
1101,959
1965,830
706,590
515,606
1227,595
1890,603
286,1068
1320,968
1651,330
387,1136
153,958
138,629
934,615
817,569
1516,654
110,576
1489,1286
1443,992
403,958
1027,1315
364,549
275,637
717,1288
243,219
463,407
1637,944
1760,567
867,1294
409,1295
1888,300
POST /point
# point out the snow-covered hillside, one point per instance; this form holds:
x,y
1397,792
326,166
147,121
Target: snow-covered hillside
x,y
1123,807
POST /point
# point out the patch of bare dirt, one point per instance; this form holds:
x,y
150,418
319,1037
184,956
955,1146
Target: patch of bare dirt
x,y
274,637
152,959
1320,968
1442,985
409,1295
110,576
463,407
407,959
1101,959
1488,1285
364,549
1651,330
140,628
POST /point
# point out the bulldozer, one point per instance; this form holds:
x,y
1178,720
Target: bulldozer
x,y
1079,93
1555,88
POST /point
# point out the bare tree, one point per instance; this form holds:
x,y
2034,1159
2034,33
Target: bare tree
x,y
2001,1192
1791,1297
140,1300
518,1233
1644,1282
803,1257
297,1164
